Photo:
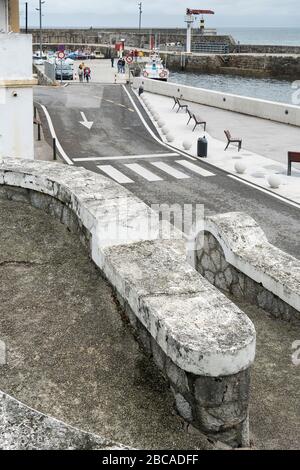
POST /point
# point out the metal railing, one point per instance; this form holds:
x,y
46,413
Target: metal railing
x,y
210,48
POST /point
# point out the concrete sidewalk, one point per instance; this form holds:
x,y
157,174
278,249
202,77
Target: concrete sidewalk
x,y
265,143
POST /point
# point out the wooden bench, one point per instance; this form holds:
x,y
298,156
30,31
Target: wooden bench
x,y
232,140
198,120
292,157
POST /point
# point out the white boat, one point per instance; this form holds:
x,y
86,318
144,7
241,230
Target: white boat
x,y
155,69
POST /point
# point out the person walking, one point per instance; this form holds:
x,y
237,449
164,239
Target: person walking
x,y
87,74
112,59
123,65
120,65
80,73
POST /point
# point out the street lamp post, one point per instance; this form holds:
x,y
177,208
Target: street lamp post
x,y
140,15
26,17
41,32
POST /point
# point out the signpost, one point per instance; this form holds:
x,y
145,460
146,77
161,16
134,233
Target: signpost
x,y
61,56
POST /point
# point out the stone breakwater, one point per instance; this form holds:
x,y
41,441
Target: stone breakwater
x,y
237,258
249,65
201,341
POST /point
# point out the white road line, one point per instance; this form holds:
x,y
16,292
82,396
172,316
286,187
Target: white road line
x,y
126,157
54,136
148,175
171,171
115,174
277,196
148,128
194,168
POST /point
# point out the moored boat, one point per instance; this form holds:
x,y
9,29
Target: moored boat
x,y
155,69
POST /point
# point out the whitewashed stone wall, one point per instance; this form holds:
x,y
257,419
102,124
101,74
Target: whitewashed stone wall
x,y
237,258
201,341
285,113
16,96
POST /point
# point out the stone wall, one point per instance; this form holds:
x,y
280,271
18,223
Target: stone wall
x,y
133,37
42,77
177,315
238,260
287,66
267,49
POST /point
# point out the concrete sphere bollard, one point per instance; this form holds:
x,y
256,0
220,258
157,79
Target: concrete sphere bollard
x,y
170,137
165,130
187,144
240,167
161,123
274,181
156,116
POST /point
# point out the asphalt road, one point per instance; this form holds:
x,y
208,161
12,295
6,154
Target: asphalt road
x,y
147,170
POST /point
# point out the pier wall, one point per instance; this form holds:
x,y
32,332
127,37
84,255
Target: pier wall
x,y
268,49
254,65
287,114
133,37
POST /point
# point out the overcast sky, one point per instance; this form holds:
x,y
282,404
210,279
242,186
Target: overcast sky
x,y
251,13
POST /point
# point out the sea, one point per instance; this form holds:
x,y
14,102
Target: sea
x,y
283,91
272,36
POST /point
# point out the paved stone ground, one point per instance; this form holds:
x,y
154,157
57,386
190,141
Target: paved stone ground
x,y
69,353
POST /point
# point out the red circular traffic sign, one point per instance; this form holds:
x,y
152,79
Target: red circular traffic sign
x,y
61,55
129,59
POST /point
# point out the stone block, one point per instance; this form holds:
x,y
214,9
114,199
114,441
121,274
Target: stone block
x,y
210,391
183,408
177,377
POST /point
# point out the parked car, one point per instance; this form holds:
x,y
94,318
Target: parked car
x,y
64,71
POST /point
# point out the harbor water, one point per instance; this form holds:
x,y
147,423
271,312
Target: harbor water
x,y
261,88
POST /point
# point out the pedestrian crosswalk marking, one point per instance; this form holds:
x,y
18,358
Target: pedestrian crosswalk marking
x,y
141,171
195,168
171,171
115,174
126,157
150,176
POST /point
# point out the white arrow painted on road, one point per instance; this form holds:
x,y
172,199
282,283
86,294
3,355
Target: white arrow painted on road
x,y
85,122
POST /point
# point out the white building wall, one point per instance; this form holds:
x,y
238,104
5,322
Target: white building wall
x,y
16,96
